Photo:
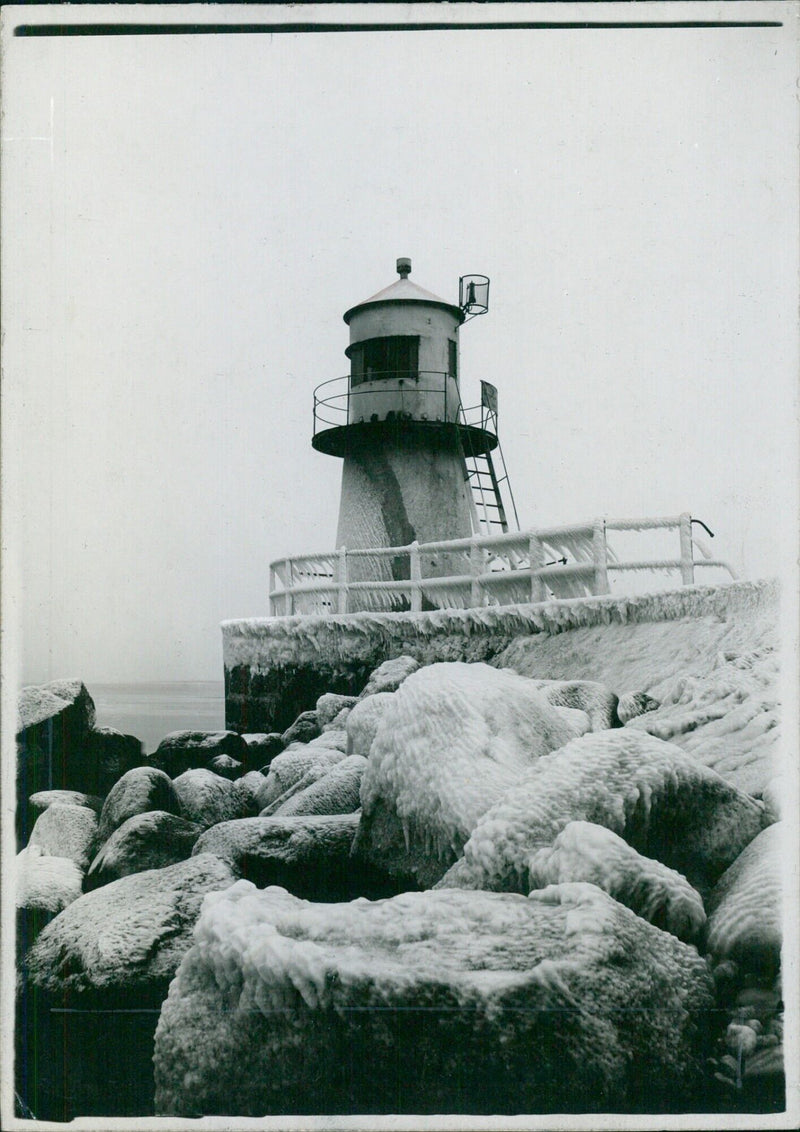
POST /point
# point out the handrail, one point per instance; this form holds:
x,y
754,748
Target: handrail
x,y
500,569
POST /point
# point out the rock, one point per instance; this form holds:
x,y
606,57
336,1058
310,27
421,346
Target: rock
x,y
773,796
245,793
38,803
153,840
333,739
262,747
388,677
205,797
303,729
292,767
745,907
592,853
92,987
633,704
451,741
141,789
66,831
662,802
339,722
44,887
329,706
53,726
226,767
186,750
363,722
595,699
308,854
432,1002
111,754
337,792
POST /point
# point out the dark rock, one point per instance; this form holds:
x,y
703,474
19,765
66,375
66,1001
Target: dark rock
x,y
466,1002
153,840
337,792
226,767
141,789
66,831
111,754
185,750
309,855
303,729
92,986
262,747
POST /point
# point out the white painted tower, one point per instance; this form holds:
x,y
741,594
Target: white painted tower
x,y
397,421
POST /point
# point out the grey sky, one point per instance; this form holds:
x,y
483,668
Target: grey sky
x,y
177,261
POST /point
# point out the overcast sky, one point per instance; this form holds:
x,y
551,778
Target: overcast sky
x,y
185,220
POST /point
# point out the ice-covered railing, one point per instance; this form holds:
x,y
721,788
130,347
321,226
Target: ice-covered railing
x,y
521,566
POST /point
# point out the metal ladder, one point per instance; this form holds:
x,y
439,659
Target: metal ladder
x,y
490,496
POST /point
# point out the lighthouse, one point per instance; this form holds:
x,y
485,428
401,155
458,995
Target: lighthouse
x,y
414,468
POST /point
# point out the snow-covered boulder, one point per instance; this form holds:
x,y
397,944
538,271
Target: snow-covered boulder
x,y
451,741
309,855
329,706
592,853
262,747
364,720
205,797
333,739
39,801
745,907
337,792
141,789
152,840
225,766
430,1002
183,750
291,771
110,754
66,831
388,677
598,701
632,704
92,985
244,794
304,728
662,802
45,885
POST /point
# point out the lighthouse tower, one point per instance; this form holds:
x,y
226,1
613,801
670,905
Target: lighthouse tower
x,y
398,423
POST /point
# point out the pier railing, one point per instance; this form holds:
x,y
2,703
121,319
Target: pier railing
x,y
521,566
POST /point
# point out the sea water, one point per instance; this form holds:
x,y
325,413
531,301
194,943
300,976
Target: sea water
x,y
151,711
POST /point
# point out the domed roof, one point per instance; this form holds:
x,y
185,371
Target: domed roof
x,y
403,290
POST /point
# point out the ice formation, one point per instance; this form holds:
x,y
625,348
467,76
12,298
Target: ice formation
x,y
428,1002
299,765
363,721
336,792
452,739
662,802
592,853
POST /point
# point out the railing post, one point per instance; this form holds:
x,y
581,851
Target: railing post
x,y
600,557
536,558
687,556
341,581
477,561
271,588
290,589
415,571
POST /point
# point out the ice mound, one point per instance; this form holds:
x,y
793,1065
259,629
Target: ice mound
x,y
302,764
599,702
450,742
593,854
662,802
429,1002
337,792
364,720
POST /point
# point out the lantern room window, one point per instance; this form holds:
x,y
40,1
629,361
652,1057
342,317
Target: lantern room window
x,y
379,359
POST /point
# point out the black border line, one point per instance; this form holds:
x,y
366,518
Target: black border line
x,y
100,29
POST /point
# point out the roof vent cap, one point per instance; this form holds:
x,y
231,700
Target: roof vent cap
x,y
404,267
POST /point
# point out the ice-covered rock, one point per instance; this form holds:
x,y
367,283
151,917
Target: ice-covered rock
x,y
304,728
433,1002
141,789
592,853
578,721
364,720
39,802
632,704
152,840
205,797
329,706
262,747
225,767
288,770
745,906
183,750
66,831
598,701
451,741
333,739
92,985
660,800
44,883
244,794
388,677
308,854
111,753
773,796
337,792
